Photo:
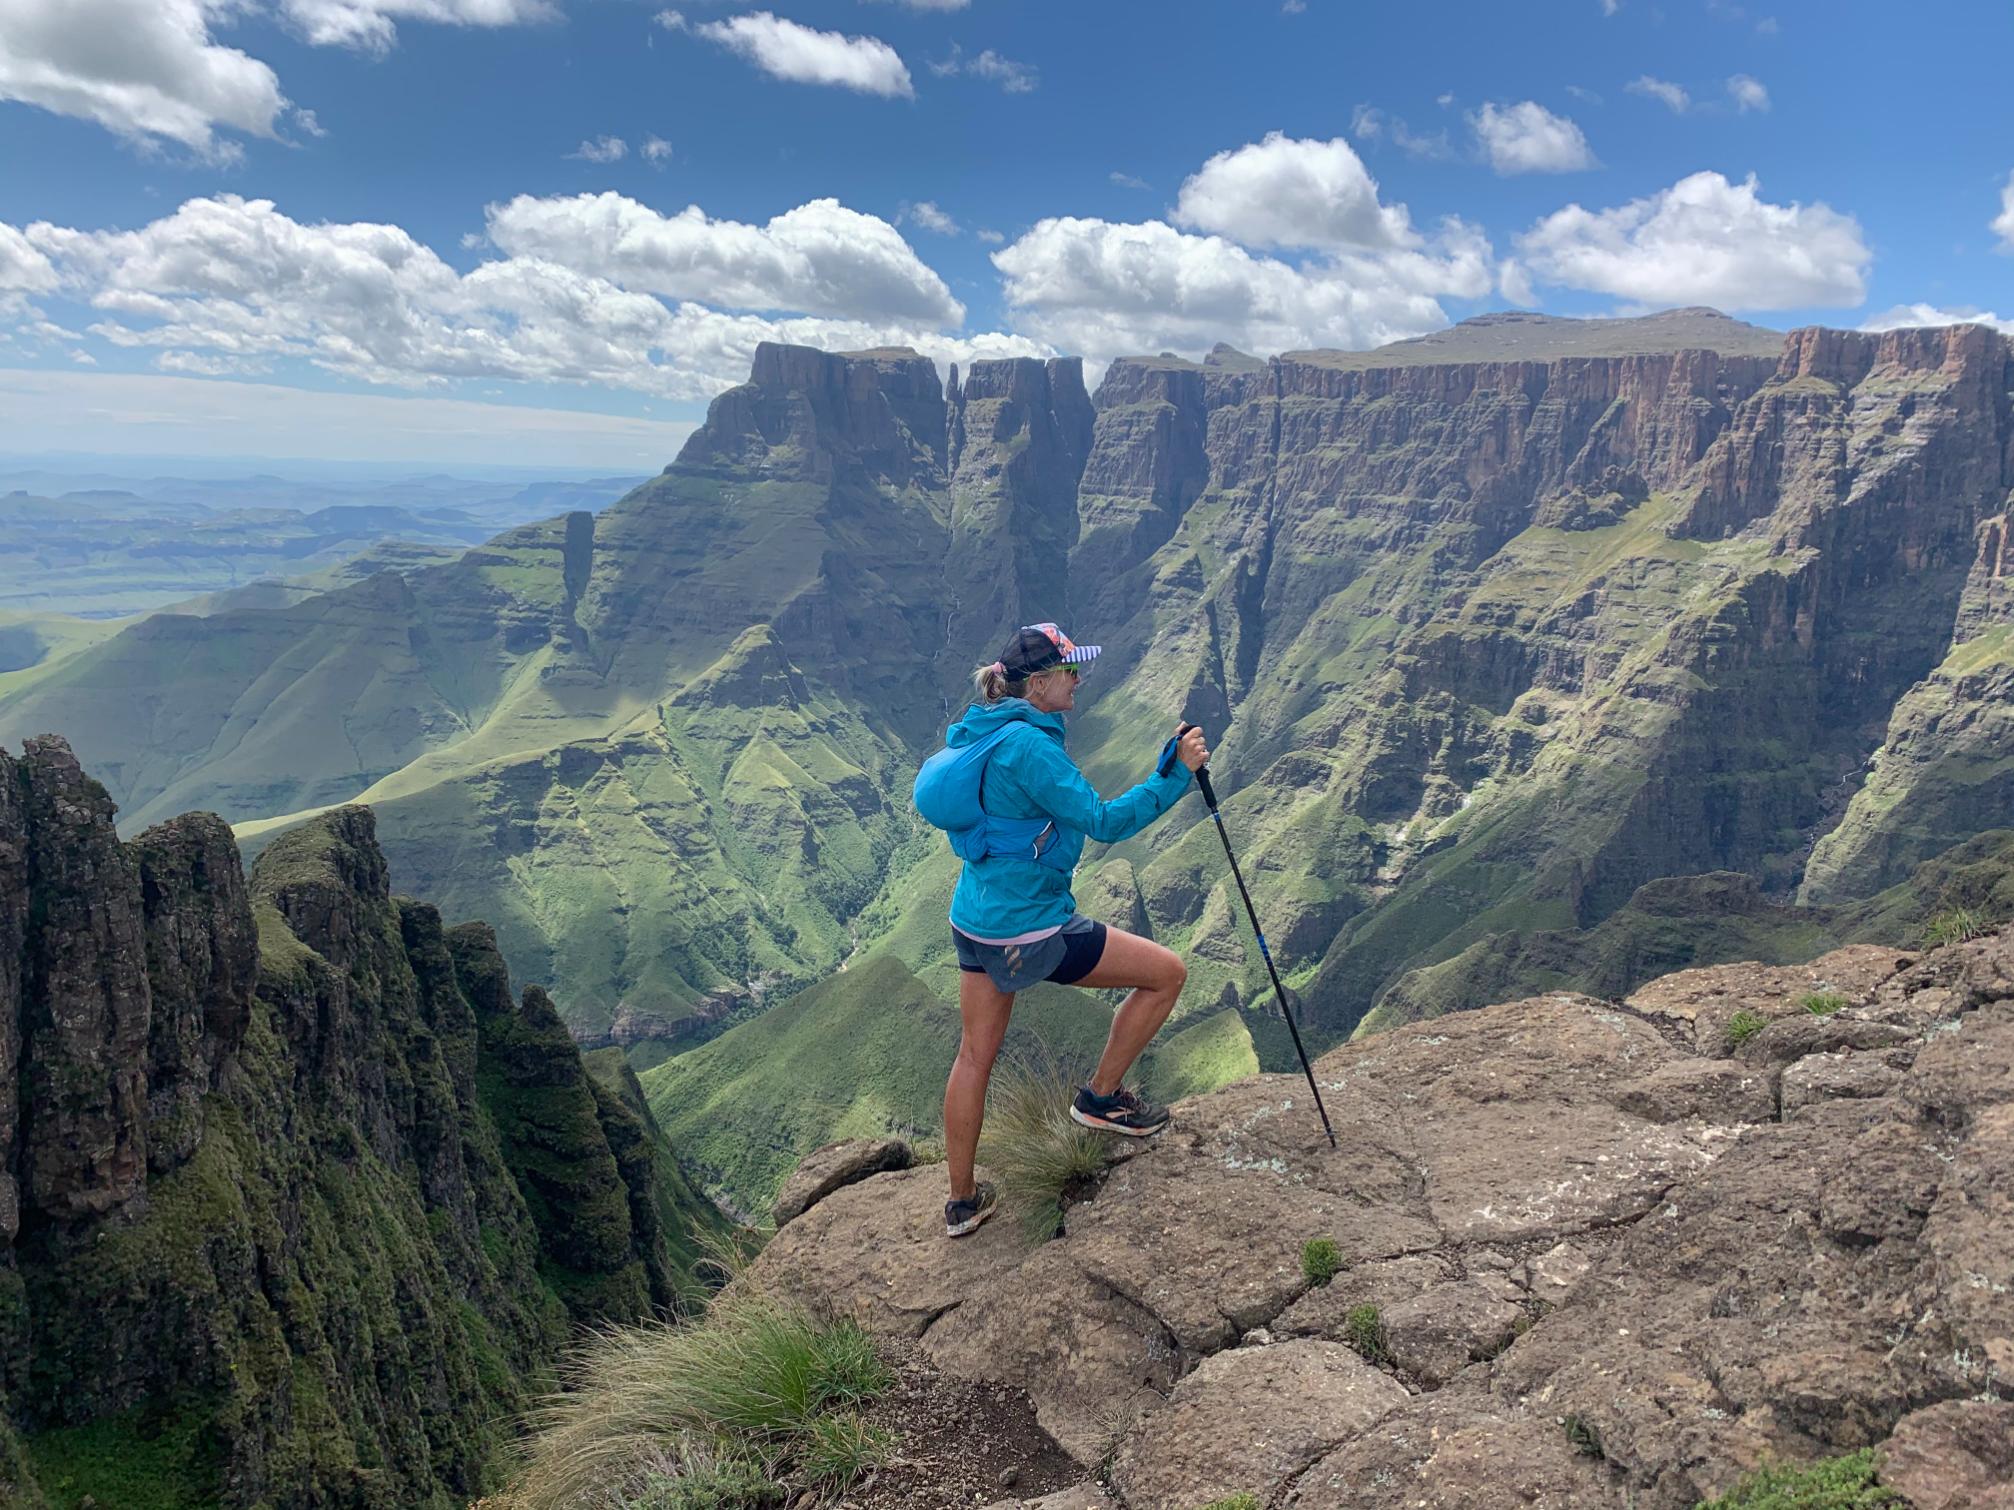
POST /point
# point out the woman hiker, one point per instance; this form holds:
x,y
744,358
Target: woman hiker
x,y
1013,919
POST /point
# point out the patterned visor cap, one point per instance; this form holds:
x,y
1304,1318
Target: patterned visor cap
x,y
1037,647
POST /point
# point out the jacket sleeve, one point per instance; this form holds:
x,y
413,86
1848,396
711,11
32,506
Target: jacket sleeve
x,y
1052,782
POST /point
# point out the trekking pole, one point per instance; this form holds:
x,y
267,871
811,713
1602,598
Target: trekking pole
x,y
1286,1011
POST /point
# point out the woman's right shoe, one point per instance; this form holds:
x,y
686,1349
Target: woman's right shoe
x,y
1123,1112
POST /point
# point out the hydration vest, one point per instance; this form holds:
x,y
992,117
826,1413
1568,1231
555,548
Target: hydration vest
x,y
948,794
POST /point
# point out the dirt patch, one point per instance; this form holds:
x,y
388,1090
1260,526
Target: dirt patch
x,y
954,1442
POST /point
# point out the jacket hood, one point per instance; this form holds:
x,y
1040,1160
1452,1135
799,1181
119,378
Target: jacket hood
x,y
982,719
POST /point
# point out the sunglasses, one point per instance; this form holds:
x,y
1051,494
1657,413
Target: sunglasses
x,y
1075,674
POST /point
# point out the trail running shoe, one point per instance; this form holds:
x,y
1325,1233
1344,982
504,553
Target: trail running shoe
x,y
961,1217
1123,1112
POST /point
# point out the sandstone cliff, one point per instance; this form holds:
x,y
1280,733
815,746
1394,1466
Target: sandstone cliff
x,y
1494,644
1592,1254
286,1216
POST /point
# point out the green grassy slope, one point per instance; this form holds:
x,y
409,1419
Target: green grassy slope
x,y
1948,761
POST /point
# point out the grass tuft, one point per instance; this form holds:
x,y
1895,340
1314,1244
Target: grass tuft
x,y
726,1484
1321,1260
1042,1159
1823,1003
839,1449
1848,1482
1744,1025
685,1415
1235,1502
1581,1433
1364,1330
1955,925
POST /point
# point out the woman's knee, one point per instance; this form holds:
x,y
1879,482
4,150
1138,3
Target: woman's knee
x,y
977,1058
1171,972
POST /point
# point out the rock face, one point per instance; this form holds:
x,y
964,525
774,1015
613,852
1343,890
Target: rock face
x,y
1506,639
1589,1261
280,1181
1494,644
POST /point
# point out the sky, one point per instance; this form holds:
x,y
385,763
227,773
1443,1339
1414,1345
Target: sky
x,y
546,232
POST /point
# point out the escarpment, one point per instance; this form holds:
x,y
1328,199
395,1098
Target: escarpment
x,y
1491,629
273,1230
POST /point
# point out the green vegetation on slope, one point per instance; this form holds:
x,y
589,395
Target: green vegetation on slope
x,y
866,1052
860,1053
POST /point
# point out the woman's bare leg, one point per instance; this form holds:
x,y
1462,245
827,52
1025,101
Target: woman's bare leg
x,y
1156,974
985,1009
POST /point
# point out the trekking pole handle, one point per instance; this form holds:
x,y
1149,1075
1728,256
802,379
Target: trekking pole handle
x,y
1202,772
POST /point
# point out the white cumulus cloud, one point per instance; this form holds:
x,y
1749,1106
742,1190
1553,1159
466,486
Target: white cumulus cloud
x,y
656,151
1370,124
1747,93
1528,138
802,54
2003,223
927,215
23,268
228,285
601,149
149,70
372,24
1285,192
1908,316
1012,77
1663,91
1704,240
820,258
1106,289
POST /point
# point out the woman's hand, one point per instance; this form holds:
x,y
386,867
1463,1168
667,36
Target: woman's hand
x,y
1190,749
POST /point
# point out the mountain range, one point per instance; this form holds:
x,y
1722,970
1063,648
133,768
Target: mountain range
x,y
1495,632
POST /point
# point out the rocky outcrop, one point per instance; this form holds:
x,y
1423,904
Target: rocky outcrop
x,y
259,1204
834,1166
1589,1258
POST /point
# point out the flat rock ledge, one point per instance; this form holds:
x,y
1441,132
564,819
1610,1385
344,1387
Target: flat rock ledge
x,y
1594,1255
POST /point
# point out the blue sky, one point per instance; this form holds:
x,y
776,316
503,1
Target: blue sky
x,y
400,229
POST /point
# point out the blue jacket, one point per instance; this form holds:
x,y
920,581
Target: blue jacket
x,y
1030,776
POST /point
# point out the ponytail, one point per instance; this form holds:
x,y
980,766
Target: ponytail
x,y
992,684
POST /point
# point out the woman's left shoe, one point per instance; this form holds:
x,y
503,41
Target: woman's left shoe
x,y
961,1217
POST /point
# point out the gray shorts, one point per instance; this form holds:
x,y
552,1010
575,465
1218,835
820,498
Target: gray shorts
x,y
1065,956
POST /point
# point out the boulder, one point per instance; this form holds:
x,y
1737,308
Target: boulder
x,y
826,1169
1837,1076
1434,1336
1248,1421
1704,999
1715,1090
1439,1453
1955,1456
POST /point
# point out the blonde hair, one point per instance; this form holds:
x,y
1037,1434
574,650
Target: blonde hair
x,y
992,684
